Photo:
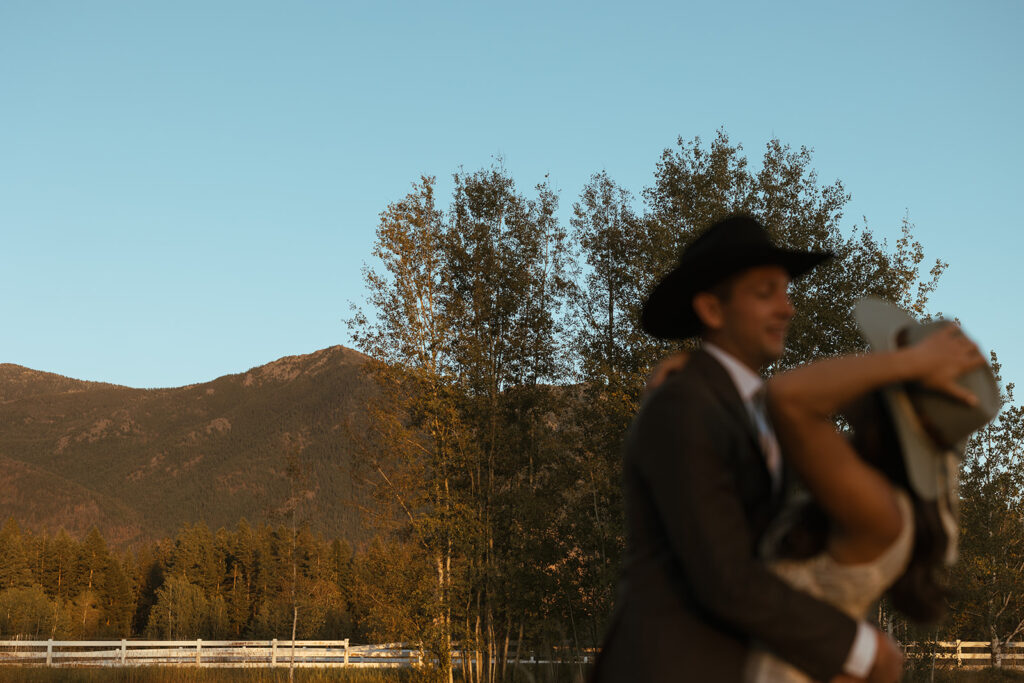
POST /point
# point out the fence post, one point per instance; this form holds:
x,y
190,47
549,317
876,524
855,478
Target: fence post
x,y
124,651
273,652
199,650
346,652
959,654
49,652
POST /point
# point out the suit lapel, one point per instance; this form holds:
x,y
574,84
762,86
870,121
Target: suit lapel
x,y
721,384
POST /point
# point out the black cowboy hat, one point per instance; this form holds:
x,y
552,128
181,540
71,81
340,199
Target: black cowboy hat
x,y
729,246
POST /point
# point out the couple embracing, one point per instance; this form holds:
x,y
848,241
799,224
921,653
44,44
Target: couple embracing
x,y
726,577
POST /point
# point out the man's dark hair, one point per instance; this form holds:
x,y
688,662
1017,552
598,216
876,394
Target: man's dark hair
x,y
721,290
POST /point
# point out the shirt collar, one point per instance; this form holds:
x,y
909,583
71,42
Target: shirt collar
x,y
747,381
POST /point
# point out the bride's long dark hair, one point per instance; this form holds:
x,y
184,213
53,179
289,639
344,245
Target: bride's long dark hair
x,y
921,592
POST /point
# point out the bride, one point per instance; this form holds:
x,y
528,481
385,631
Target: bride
x,y
882,518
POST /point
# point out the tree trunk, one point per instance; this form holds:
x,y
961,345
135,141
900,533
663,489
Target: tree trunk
x,y
504,651
519,645
295,621
444,655
996,651
575,638
467,660
478,654
491,663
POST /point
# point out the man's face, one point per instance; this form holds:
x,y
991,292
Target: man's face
x,y
752,322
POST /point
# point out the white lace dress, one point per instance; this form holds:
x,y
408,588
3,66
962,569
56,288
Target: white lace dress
x,y
853,588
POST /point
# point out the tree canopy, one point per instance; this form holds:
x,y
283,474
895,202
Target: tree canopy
x,y
511,360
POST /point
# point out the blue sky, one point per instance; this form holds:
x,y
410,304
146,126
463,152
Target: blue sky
x,y
190,189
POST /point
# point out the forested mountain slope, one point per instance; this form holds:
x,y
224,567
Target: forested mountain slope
x,y
137,463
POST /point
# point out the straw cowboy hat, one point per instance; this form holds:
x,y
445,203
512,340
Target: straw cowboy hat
x,y
726,248
932,427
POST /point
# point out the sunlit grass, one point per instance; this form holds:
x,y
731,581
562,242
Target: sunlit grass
x,y
186,674
173,674
924,674
982,676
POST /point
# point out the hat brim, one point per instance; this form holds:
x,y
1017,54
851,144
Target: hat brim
x,y
880,324
668,312
928,465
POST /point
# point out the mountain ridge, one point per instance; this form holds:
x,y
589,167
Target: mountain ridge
x,y
18,381
138,463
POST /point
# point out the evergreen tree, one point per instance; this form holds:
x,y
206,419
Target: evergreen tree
x,y
195,558
59,567
15,562
117,601
342,575
92,559
149,575
241,563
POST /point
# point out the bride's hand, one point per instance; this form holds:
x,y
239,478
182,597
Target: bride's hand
x,y
667,366
944,357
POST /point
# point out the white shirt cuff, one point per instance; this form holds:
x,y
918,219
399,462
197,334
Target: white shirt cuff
x,y
862,653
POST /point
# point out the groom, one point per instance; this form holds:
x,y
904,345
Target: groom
x,y
702,476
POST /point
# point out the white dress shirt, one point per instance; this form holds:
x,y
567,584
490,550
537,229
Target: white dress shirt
x,y
750,387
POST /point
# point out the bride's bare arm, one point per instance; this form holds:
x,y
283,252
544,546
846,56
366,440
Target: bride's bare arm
x,y
823,387
858,498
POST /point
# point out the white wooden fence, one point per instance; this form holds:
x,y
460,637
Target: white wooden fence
x,y
331,653
235,653
223,653
966,653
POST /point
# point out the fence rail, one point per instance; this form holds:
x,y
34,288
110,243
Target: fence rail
x,y
334,653
967,653
234,653
227,653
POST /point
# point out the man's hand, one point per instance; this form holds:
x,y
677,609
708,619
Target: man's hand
x,y
888,667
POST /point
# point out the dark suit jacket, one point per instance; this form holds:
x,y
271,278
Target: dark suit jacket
x,y
693,595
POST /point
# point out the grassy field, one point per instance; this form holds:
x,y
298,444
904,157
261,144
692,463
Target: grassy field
x,y
194,675
925,675
983,676
524,675
152,674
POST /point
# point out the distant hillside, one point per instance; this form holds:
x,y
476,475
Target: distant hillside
x,y
138,463
18,382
